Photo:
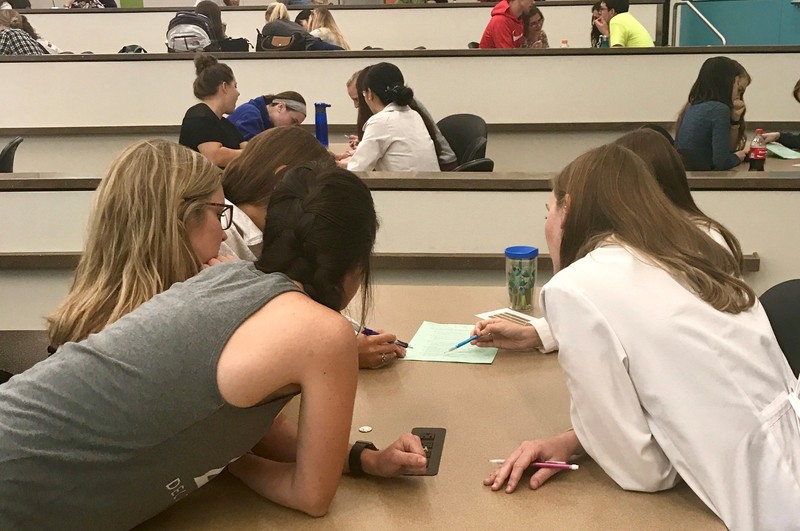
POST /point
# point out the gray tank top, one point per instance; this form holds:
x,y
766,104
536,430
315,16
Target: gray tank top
x,y
111,431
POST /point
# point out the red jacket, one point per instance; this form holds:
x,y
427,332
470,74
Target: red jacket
x,y
504,29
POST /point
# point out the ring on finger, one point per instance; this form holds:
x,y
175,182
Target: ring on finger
x,y
383,359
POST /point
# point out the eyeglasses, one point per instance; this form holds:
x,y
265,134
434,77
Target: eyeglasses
x,y
225,215
537,22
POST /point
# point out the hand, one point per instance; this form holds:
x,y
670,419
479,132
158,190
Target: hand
x,y
601,26
346,155
738,110
498,333
404,456
378,351
558,448
342,163
771,137
537,44
219,260
741,154
353,140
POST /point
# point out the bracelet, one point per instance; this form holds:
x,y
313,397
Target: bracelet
x,y
354,459
735,124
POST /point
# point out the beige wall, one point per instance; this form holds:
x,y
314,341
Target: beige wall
x,y
392,29
411,222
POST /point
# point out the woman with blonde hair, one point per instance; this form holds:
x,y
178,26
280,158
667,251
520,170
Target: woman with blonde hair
x,y
276,11
279,25
322,25
158,216
672,367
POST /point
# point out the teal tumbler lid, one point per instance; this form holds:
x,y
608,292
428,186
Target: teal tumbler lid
x,y
522,252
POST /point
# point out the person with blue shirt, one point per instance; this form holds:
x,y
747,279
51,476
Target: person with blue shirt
x,y
266,112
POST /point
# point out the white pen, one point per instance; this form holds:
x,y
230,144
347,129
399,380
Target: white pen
x,y
560,465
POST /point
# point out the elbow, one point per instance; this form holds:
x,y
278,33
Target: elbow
x,y
317,506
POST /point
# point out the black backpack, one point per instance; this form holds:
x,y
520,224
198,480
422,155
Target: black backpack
x,y
276,43
191,32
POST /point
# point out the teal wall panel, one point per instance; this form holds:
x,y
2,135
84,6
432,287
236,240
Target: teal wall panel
x,y
742,22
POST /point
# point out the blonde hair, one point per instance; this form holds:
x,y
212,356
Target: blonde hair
x,y
613,194
276,11
10,19
137,243
321,17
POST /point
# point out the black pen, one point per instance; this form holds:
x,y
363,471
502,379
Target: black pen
x,y
370,332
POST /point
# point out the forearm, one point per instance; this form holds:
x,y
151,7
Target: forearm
x,y
733,137
280,442
269,479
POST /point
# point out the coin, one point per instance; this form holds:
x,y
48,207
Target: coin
x,y
365,429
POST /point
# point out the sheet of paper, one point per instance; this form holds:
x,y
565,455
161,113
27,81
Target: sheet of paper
x,y
506,314
433,340
779,150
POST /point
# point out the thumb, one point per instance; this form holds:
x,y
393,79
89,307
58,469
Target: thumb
x,y
542,475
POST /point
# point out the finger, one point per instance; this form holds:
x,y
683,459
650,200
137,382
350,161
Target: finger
x,y
383,338
412,443
520,466
410,463
400,351
502,472
542,475
490,479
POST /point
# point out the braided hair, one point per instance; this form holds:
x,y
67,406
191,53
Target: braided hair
x,y
321,225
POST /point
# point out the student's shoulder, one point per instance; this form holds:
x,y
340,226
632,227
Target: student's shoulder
x,y
199,111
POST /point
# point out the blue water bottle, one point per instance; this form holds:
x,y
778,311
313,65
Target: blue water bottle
x,y
321,122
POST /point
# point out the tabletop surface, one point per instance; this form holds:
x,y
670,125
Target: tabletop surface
x,y
487,411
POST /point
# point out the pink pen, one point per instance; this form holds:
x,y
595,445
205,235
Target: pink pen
x,y
560,465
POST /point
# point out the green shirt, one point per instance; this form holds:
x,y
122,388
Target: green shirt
x,y
628,32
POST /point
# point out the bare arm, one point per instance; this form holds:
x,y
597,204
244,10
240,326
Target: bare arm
x,y
218,154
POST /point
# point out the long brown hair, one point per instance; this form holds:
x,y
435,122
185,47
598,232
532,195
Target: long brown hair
x,y
667,167
612,195
321,17
137,244
250,178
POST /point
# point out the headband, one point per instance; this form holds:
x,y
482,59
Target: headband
x,y
292,104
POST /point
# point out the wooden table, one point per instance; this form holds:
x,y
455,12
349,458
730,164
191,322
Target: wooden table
x,y
487,410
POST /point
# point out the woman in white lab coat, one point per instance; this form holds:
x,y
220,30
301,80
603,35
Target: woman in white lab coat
x,y
671,364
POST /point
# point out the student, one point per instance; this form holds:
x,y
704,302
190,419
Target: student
x,y
117,428
535,37
302,18
157,219
395,137
597,21
248,183
47,46
13,39
278,24
672,367
226,44
665,165
445,154
790,140
710,131
322,25
621,28
505,28
204,128
265,112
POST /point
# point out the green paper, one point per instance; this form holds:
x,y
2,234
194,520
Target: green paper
x,y
779,150
433,340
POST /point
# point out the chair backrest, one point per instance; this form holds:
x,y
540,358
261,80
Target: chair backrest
x,y
483,164
462,132
7,155
280,43
782,304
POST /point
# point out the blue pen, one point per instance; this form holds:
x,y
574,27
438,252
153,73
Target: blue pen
x,y
473,338
370,332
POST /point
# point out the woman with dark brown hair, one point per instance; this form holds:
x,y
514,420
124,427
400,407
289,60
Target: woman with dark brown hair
x,y
672,367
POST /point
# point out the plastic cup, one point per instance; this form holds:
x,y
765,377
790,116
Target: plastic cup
x,y
521,269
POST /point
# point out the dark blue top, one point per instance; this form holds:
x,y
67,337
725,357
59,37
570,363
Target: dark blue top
x,y
251,118
703,139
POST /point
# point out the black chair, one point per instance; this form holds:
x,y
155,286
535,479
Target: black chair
x,y
483,164
7,155
466,134
782,304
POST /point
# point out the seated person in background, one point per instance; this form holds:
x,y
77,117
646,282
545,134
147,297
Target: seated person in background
x,y
102,427
278,24
710,131
790,140
597,22
665,165
204,128
84,4
265,112
322,25
672,367
302,18
212,11
157,219
535,37
46,45
506,28
15,4
231,3
13,39
395,136
248,183
621,28
446,155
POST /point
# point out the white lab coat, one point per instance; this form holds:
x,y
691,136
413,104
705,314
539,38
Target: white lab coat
x,y
244,238
395,139
663,385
